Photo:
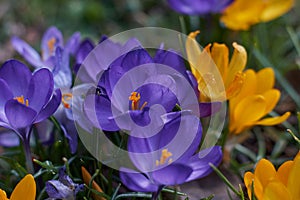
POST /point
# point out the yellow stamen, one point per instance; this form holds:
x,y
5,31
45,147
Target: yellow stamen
x,y
65,99
51,44
165,156
21,100
135,101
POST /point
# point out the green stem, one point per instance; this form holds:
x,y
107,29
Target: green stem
x,y
28,157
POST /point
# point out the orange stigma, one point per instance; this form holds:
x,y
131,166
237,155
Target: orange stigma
x,y
135,101
21,100
65,100
51,44
165,156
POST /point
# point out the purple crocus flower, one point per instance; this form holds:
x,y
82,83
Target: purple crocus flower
x,y
169,157
156,88
26,98
199,7
55,56
63,188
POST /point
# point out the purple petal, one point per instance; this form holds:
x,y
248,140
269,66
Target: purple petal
x,y
52,38
210,108
56,189
17,76
27,52
40,89
50,107
8,138
70,133
83,50
19,115
5,95
72,44
103,111
137,182
45,132
173,174
200,162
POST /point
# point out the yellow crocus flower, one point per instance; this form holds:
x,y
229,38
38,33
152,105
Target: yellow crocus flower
x,y
269,184
242,14
256,99
25,190
218,78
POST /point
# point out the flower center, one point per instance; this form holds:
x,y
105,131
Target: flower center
x,y
135,101
51,44
65,100
22,100
165,156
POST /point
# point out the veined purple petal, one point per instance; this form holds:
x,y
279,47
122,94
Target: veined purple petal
x,y
17,76
172,174
40,89
52,38
27,52
137,182
19,115
50,107
56,189
200,162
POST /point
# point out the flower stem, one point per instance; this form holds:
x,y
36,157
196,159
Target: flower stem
x,y
29,163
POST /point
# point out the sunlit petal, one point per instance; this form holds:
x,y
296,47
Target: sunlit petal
x,y
25,189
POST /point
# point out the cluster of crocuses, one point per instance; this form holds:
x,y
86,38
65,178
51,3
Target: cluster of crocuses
x,y
148,105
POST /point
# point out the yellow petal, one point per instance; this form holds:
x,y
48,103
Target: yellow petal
x,y
236,85
86,178
293,184
276,8
284,171
276,191
247,112
241,14
265,80
263,174
193,52
271,97
248,180
237,63
25,189
220,54
274,120
3,195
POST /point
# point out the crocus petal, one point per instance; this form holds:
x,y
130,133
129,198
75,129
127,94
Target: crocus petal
x,y
5,95
276,191
264,173
137,181
247,112
237,62
52,38
273,120
9,138
50,107
293,184
248,180
172,174
19,115
17,76
220,55
56,189
265,80
200,163
40,89
276,8
3,195
72,44
210,108
271,97
27,52
284,171
25,189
